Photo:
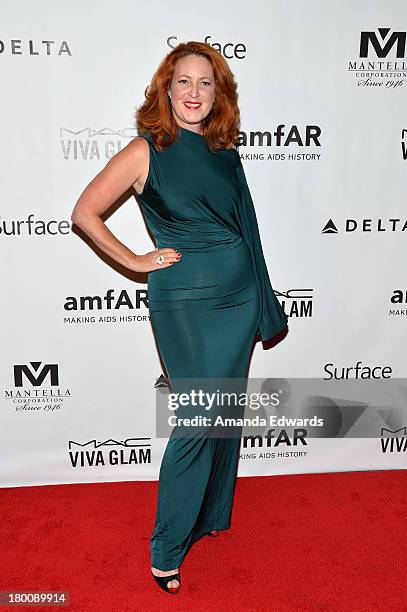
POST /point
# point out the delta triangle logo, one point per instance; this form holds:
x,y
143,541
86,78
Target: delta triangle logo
x,y
330,228
161,381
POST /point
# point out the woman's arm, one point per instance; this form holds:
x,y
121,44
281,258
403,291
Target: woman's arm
x,y
127,167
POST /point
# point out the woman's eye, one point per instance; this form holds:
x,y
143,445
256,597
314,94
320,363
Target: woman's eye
x,y
185,80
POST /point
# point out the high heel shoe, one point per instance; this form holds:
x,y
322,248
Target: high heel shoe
x,y
162,581
214,534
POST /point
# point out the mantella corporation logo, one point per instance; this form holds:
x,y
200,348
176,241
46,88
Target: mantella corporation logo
x,y
381,62
37,388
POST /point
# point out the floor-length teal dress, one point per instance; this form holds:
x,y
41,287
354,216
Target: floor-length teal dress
x,y
206,312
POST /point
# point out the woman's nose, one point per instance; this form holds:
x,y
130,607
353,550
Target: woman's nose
x,y
194,89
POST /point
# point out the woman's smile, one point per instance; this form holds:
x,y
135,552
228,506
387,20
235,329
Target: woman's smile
x,y
192,105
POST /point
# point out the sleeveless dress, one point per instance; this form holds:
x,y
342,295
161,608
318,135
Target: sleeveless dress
x,y
206,310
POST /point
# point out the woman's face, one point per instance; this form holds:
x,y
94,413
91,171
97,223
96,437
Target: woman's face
x,y
192,91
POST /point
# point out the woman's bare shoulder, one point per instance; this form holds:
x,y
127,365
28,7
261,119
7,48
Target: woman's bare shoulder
x,y
138,147
135,158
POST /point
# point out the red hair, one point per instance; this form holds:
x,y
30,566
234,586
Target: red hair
x,y
220,127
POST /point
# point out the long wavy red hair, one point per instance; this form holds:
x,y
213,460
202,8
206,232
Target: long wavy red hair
x,y
220,127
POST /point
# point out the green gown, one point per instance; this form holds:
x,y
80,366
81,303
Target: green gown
x,y
206,311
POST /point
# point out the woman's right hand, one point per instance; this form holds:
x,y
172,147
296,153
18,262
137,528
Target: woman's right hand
x,y
148,262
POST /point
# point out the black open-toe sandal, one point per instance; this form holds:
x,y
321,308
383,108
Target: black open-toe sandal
x,y
162,581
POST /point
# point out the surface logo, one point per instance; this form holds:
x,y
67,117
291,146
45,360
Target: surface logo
x,y
359,371
34,227
229,50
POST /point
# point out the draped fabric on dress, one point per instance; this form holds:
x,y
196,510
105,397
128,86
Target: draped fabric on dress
x,y
205,312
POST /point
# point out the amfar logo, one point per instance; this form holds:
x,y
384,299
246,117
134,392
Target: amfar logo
x,y
367,225
31,227
269,439
94,453
108,301
272,440
229,50
393,441
293,136
89,143
30,393
29,47
399,297
296,302
377,73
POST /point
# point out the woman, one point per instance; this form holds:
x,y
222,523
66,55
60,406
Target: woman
x,y
209,292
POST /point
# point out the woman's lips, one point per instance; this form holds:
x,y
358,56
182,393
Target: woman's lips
x,y
192,105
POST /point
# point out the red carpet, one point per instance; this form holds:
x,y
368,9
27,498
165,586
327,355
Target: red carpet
x,y
303,542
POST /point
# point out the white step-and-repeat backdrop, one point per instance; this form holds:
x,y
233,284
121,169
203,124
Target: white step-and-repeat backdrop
x,y
322,93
